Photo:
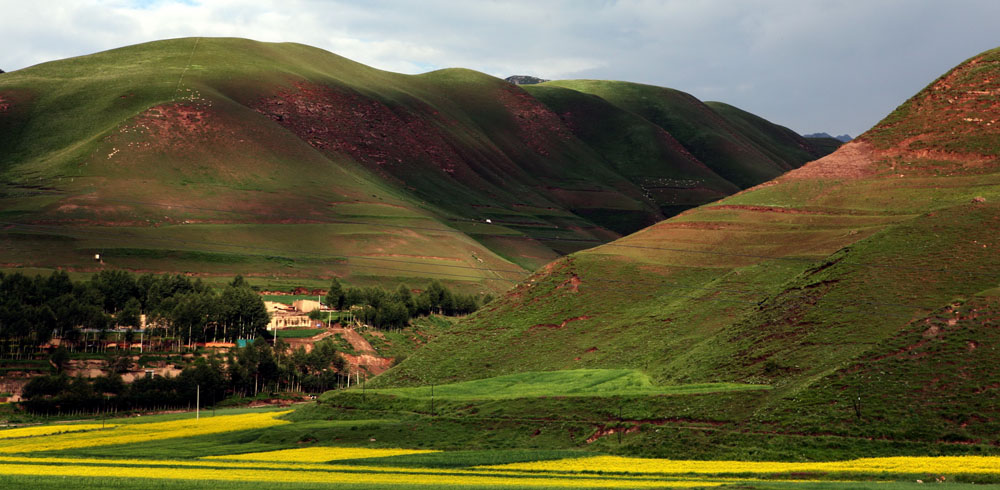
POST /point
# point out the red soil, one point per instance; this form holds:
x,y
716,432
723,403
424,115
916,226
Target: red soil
x,y
572,284
536,123
853,160
369,131
174,127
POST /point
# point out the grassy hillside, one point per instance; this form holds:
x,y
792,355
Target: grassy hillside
x,y
637,148
778,142
709,136
873,269
217,156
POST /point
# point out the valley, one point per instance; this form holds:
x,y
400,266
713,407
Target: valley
x,y
572,283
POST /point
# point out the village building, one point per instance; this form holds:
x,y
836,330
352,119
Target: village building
x,y
283,316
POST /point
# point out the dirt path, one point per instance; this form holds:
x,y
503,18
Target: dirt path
x,y
360,345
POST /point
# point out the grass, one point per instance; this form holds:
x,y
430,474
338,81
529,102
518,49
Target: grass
x,y
298,333
210,174
578,382
166,463
819,287
730,153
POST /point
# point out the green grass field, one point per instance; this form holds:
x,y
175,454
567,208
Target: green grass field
x,y
578,382
298,333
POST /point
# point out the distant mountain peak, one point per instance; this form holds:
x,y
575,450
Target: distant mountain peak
x,y
524,80
843,138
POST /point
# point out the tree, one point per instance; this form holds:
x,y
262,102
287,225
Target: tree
x,y
42,386
335,296
239,282
244,310
392,314
129,315
59,358
405,296
192,313
110,384
119,362
116,286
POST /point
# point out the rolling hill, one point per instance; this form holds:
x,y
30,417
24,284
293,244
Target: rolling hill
x,y
284,162
861,287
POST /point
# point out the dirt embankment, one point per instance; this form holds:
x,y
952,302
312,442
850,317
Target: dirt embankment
x,y
366,357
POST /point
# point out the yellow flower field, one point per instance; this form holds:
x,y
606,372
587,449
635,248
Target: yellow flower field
x,y
319,454
895,465
20,457
43,430
269,475
128,433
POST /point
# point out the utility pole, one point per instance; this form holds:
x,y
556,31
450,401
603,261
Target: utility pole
x,y
197,403
620,426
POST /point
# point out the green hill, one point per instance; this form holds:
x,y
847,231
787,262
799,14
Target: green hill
x,y
862,287
282,161
710,136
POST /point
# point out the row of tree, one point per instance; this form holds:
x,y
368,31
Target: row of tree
x,y
33,309
393,309
246,371
183,310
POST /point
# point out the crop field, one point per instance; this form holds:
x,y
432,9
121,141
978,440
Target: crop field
x,y
240,448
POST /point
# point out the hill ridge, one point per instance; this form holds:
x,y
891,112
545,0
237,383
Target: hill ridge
x,y
251,127
797,283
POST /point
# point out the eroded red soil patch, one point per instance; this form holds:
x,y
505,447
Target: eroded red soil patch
x,y
366,129
853,160
572,284
536,123
176,127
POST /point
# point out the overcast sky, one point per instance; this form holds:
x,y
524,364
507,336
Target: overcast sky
x,y
837,66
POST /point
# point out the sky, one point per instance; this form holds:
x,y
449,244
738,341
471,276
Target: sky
x,y
835,66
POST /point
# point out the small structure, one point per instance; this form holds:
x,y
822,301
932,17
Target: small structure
x,y
306,305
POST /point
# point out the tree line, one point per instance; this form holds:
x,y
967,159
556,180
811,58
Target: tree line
x,y
381,308
246,371
33,309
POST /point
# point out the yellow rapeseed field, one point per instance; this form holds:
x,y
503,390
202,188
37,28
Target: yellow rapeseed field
x,y
441,478
43,430
319,454
894,465
128,433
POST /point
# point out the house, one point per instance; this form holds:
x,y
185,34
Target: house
x,y
306,305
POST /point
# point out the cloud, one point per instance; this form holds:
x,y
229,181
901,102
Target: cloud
x,y
835,66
